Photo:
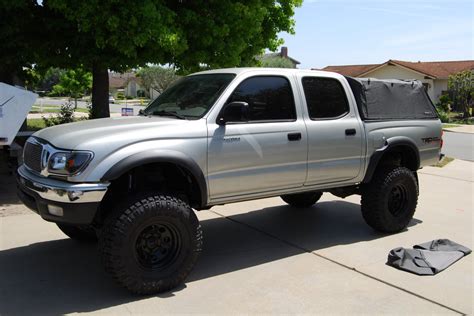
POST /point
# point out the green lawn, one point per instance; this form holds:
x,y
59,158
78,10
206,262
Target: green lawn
x,y
447,125
53,109
35,124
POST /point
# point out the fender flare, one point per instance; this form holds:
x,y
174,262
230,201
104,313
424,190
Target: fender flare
x,y
154,156
390,144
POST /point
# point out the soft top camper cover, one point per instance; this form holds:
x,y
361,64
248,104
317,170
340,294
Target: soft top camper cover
x,y
391,99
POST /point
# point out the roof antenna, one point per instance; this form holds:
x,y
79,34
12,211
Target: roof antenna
x,y
412,83
368,81
391,84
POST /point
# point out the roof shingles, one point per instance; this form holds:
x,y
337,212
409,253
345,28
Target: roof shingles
x,y
435,69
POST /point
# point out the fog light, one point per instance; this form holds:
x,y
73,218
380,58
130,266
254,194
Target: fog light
x,y
55,210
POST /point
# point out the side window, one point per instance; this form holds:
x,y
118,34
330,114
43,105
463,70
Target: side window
x,y
269,98
325,97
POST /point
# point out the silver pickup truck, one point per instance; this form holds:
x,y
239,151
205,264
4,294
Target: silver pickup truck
x,y
225,136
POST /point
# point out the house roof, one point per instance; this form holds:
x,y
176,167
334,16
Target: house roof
x,y
433,69
119,80
279,54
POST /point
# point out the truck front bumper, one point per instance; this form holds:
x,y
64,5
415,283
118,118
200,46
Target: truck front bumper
x,y
60,201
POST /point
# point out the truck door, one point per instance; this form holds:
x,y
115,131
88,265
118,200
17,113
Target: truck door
x,y
265,151
335,135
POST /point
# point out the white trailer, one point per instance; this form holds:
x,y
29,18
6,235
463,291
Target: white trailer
x,y
15,103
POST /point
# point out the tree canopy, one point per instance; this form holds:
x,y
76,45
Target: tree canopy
x,y
106,34
157,78
461,86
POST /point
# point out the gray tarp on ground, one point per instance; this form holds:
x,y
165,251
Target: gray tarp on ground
x,y
428,258
391,99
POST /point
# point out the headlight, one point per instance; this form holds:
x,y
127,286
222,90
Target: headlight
x,y
68,163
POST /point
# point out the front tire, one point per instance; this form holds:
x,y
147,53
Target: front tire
x,y
151,243
302,200
389,201
79,233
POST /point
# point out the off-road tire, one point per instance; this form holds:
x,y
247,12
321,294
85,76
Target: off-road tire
x,y
79,233
126,254
302,200
381,208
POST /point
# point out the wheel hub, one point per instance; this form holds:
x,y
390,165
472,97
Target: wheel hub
x,y
397,200
157,246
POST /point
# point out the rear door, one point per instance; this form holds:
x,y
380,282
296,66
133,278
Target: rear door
x,y
335,134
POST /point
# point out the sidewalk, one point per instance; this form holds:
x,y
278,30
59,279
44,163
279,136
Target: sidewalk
x,y
260,257
461,129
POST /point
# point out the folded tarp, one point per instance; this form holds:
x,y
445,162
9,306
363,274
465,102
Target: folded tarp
x,y
391,99
428,258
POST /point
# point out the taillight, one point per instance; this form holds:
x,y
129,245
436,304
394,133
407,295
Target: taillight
x,y
441,140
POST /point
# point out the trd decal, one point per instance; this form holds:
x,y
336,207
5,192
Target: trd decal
x,y
429,140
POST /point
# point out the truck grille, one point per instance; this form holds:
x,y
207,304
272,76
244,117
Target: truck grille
x,y
32,156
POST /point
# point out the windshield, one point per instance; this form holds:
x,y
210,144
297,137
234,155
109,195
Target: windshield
x,y
190,97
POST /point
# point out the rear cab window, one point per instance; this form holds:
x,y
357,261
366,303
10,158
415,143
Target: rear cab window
x,y
325,98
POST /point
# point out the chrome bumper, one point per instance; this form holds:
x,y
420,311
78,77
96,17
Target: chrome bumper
x,y
61,191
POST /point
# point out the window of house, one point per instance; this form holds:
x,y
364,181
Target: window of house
x,y
325,97
270,98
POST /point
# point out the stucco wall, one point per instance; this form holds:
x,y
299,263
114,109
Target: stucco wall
x,y
395,72
440,85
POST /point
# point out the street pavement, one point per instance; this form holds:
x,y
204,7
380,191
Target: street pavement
x,y
259,257
459,145
114,107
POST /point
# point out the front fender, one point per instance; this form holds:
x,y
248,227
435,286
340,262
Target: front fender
x,y
153,156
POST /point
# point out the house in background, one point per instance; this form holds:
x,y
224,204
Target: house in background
x,y
127,83
434,75
283,53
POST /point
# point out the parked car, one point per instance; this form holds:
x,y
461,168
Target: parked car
x,y
111,99
226,136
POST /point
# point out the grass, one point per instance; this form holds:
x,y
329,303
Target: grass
x,y
448,125
443,162
35,124
53,109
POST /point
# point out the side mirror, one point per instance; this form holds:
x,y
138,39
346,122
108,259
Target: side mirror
x,y
233,112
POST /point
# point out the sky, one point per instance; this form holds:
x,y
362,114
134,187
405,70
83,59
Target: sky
x,y
345,32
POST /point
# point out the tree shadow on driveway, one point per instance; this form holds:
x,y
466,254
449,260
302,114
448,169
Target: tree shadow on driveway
x,y
63,276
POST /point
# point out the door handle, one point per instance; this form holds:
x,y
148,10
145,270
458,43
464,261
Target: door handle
x,y
350,131
294,136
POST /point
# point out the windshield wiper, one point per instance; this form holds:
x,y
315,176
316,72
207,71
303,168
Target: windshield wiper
x,y
168,113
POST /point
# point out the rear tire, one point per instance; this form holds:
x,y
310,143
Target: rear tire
x,y
302,200
151,243
389,201
80,233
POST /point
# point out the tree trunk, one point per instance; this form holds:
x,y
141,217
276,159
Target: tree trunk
x,y
100,91
75,103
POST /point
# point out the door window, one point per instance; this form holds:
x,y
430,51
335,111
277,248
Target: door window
x,y
270,98
325,98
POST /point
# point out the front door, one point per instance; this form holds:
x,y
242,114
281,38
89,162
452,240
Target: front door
x,y
261,152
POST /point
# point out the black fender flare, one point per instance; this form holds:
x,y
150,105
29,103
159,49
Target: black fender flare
x,y
390,144
153,156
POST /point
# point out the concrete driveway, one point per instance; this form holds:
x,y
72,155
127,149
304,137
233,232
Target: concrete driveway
x,y
259,257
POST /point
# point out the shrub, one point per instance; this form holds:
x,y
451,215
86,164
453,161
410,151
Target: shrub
x,y
129,97
443,116
120,96
444,103
65,115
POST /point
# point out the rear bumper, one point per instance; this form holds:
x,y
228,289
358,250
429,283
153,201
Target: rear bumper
x,y
79,202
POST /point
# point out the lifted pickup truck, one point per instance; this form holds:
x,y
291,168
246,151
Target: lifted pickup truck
x,y
225,136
